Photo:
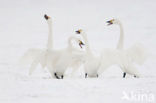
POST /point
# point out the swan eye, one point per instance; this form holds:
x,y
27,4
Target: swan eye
x,y
46,17
78,31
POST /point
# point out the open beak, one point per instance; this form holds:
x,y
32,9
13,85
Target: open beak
x,y
46,17
110,22
81,44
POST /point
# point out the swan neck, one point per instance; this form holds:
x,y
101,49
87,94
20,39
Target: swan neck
x,y
50,35
121,38
84,35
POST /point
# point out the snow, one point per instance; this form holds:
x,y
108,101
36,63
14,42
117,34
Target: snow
x,y
22,26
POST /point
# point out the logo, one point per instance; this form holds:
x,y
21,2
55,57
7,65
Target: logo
x,y
138,96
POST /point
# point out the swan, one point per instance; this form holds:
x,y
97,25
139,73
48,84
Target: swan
x,y
36,56
92,62
63,59
124,58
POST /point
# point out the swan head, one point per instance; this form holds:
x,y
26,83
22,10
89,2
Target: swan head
x,y
77,40
81,43
79,31
46,17
113,21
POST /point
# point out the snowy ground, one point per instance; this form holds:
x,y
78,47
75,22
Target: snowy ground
x,y
22,26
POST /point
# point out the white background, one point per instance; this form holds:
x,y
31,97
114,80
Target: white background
x,y
22,26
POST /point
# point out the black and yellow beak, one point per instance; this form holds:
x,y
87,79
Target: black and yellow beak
x,y
78,31
81,43
46,17
110,22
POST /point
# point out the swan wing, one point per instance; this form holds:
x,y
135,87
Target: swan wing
x,y
30,56
137,53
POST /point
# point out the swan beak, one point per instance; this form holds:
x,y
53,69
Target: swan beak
x,y
110,22
46,17
78,31
81,43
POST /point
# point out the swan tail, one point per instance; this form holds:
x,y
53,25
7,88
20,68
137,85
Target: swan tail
x,y
137,53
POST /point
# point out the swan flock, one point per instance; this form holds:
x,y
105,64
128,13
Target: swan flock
x,y
58,62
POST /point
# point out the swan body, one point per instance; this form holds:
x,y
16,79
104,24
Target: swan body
x,y
125,59
92,63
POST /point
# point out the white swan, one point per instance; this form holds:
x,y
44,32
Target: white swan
x,y
92,62
36,56
63,59
124,58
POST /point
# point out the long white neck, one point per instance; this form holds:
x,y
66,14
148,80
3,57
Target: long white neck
x,y
84,35
50,35
121,39
70,39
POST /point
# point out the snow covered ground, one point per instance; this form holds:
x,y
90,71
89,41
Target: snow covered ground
x,y
22,26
